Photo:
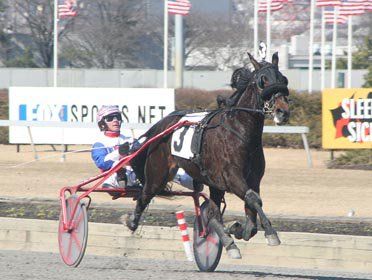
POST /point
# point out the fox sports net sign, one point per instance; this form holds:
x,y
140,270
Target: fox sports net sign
x,y
80,105
347,118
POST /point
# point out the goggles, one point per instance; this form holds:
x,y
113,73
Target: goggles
x,y
113,117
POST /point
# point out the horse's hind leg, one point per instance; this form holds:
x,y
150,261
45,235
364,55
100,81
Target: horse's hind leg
x,y
254,203
143,201
132,220
157,170
214,220
216,195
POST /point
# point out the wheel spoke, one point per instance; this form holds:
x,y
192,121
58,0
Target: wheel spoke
x,y
200,241
212,239
77,241
78,219
68,255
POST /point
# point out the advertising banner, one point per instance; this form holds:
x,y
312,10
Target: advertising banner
x,y
80,105
347,118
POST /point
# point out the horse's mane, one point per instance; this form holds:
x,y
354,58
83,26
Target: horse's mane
x,y
241,78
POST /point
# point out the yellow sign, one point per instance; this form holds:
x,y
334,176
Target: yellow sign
x,y
347,118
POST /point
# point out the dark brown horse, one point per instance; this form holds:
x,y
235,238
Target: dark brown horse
x,y
231,157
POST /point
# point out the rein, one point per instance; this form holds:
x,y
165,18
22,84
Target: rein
x,y
228,127
248,110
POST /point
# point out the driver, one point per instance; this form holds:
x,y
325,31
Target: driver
x,y
111,146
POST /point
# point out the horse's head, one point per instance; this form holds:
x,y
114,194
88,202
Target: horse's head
x,y
272,86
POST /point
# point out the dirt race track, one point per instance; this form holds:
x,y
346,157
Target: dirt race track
x,y
289,187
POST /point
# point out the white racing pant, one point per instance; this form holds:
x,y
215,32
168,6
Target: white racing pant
x,y
112,181
184,179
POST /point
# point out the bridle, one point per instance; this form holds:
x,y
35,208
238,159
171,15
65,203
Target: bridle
x,y
269,105
265,96
277,86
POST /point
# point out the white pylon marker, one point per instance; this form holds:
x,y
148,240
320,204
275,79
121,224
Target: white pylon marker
x,y
182,225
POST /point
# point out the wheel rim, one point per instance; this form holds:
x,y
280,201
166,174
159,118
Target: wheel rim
x,y
72,243
207,249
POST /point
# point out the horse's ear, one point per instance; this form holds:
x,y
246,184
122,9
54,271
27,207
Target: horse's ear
x,y
275,59
253,61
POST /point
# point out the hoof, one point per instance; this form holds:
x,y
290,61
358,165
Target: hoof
x,y
235,228
128,221
233,252
273,239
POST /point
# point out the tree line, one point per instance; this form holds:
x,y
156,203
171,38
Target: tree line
x,y
107,34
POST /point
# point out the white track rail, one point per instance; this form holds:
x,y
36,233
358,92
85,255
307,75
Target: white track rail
x,y
303,130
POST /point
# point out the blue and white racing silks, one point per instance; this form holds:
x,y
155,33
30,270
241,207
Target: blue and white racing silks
x,y
105,155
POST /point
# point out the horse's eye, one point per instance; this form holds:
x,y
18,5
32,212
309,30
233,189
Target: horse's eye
x,y
261,82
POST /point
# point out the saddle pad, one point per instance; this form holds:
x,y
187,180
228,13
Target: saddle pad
x,y
182,137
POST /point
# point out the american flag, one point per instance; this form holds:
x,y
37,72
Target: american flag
x,y
352,7
328,3
179,7
276,5
330,15
67,8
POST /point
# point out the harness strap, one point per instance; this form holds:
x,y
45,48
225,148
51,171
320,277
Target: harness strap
x,y
204,125
233,131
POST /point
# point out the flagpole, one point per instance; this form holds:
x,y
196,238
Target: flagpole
x,y
334,40
322,54
349,54
165,58
179,50
55,43
268,29
311,43
255,29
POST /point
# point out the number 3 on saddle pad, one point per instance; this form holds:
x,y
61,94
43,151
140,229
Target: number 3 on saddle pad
x,y
181,138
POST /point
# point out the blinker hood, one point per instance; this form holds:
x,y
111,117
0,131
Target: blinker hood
x,y
270,90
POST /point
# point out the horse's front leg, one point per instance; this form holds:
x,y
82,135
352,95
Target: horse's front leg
x,y
254,203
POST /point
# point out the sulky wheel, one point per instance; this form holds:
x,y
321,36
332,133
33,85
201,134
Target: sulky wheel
x,y
72,243
207,248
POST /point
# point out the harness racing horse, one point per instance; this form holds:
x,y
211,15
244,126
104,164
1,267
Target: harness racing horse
x,y
231,157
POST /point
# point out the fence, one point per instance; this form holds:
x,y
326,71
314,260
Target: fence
x,y
148,78
303,130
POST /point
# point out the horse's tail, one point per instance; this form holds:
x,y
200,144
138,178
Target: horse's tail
x,y
138,163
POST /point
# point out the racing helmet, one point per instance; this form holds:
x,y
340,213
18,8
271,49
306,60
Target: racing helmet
x,y
103,112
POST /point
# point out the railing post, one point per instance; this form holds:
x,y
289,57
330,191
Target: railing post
x,y
32,143
63,156
306,146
